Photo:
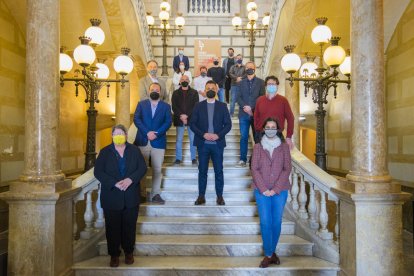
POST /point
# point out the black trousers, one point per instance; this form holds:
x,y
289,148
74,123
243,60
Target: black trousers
x,y
120,226
227,86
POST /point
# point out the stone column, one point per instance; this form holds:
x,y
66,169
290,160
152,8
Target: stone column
x,y
292,95
122,105
370,207
40,206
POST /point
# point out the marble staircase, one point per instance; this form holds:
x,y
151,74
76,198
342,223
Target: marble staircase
x,y
179,238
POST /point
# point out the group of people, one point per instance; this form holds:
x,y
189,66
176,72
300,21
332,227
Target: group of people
x,y
200,110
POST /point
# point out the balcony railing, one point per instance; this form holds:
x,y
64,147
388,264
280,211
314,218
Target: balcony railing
x,y
208,7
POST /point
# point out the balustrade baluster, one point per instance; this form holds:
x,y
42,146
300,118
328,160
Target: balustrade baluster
x,y
312,208
100,222
88,217
208,6
294,190
337,222
198,6
228,5
302,198
75,224
204,5
323,219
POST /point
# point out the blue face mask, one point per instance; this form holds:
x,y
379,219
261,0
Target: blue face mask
x,y
271,89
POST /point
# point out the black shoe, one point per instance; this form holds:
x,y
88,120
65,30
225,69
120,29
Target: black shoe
x,y
220,201
142,199
200,200
177,162
194,162
158,199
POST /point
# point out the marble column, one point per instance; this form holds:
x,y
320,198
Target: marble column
x,y
122,105
292,95
40,205
371,204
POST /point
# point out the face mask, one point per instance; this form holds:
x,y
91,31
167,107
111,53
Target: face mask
x,y
119,139
182,67
270,132
184,83
181,52
152,72
203,74
154,95
271,89
239,61
231,54
250,71
215,62
211,94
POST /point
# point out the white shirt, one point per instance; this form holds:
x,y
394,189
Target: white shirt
x,y
200,86
153,79
177,78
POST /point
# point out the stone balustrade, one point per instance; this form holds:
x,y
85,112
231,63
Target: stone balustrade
x,y
208,7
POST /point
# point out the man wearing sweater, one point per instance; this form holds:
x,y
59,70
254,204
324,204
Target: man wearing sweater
x,y
273,105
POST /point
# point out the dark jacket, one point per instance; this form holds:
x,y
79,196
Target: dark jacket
x,y
221,122
247,96
183,102
145,123
176,63
107,172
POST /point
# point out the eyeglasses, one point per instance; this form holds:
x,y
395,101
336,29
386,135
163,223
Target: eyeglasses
x,y
270,128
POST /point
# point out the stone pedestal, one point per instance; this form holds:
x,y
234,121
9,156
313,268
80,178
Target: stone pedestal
x,y
122,105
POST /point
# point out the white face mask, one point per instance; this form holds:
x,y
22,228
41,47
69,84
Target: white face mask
x,y
181,52
182,67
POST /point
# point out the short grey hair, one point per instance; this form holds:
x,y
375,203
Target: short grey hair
x,y
121,127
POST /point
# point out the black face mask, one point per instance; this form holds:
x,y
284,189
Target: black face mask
x,y
250,71
184,83
211,94
215,62
154,95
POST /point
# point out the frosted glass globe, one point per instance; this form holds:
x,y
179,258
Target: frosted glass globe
x,y
84,55
345,66
102,72
65,63
334,55
123,65
291,62
308,70
236,21
96,35
321,34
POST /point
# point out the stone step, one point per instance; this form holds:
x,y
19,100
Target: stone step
x,y
229,138
192,171
229,145
213,245
227,151
193,187
202,265
188,209
205,226
230,159
230,194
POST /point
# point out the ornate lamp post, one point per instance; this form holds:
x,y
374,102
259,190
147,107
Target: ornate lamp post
x,y
164,29
251,28
94,77
318,78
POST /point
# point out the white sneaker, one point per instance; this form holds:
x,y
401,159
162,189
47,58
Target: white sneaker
x,y
241,164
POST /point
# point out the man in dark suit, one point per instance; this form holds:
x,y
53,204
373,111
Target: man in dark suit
x,y
251,88
210,122
181,58
153,118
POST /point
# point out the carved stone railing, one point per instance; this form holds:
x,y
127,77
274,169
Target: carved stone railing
x,y
209,7
144,29
310,196
85,239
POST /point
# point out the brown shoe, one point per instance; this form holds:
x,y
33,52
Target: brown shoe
x,y
129,258
114,261
275,259
220,201
200,200
266,262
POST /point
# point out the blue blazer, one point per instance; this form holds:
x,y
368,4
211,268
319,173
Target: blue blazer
x,y
247,96
176,63
145,123
221,122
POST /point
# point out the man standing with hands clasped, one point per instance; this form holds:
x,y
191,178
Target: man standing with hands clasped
x,y
210,122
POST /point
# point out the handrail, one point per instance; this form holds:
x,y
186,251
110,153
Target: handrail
x,y
140,13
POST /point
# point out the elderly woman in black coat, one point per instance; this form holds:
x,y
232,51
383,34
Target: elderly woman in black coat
x,y
120,167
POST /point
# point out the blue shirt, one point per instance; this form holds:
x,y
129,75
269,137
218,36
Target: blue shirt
x,y
153,109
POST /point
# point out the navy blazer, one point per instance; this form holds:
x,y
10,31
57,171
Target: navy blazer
x,y
145,123
221,122
247,96
107,172
176,63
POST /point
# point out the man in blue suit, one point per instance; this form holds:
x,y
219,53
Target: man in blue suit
x,y
153,118
210,122
181,58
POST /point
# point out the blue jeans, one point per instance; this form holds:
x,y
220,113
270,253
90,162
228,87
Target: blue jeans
x,y
245,122
221,94
270,212
204,153
179,143
234,92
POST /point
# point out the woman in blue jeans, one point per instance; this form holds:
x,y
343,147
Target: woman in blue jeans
x,y
271,166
